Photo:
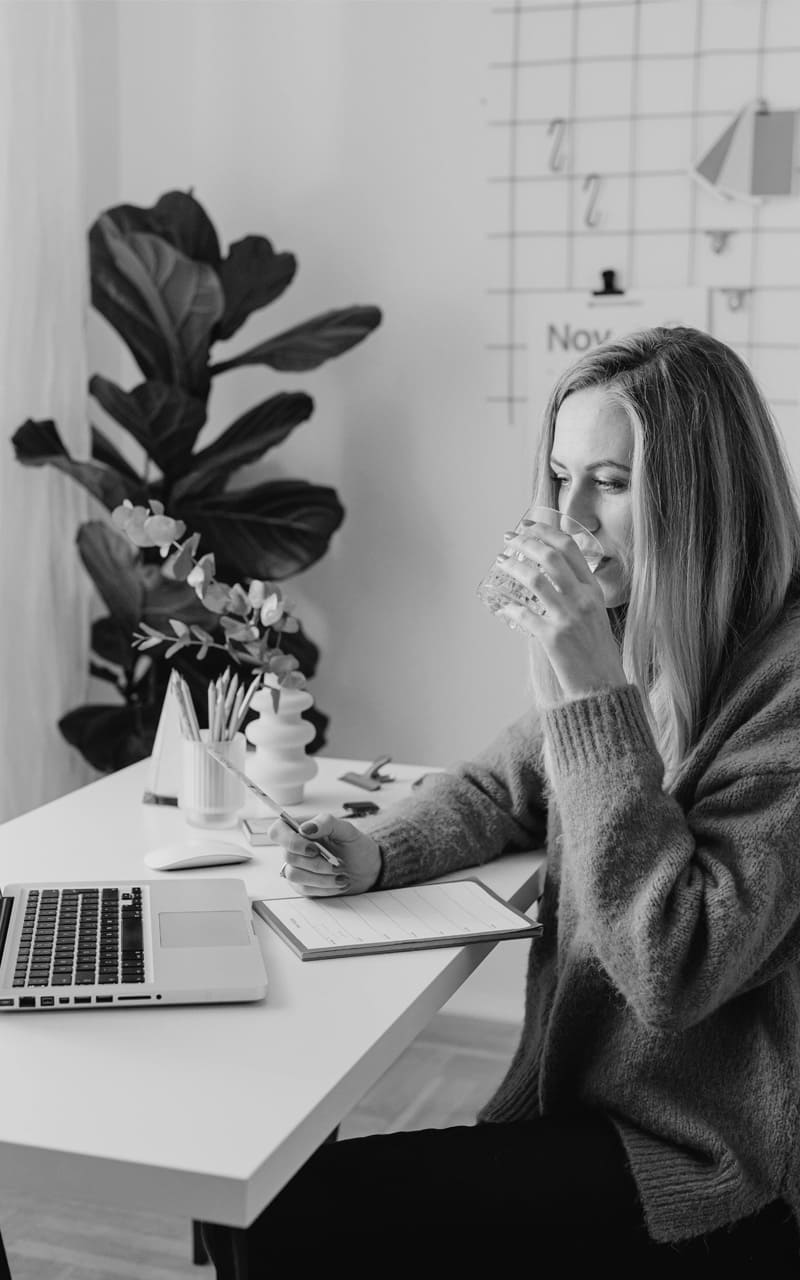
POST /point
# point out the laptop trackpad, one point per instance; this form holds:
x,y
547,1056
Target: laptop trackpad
x,y
202,929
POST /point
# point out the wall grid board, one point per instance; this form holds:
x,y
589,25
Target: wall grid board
x,y
597,111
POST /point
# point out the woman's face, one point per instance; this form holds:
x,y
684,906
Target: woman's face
x,y
590,462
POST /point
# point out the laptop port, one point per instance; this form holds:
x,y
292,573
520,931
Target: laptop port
x,y
63,999
6,1002
27,1002
83,1000
104,999
46,1001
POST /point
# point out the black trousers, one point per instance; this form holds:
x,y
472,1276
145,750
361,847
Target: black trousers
x,y
479,1200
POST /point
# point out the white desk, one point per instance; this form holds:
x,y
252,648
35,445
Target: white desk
x,y
205,1111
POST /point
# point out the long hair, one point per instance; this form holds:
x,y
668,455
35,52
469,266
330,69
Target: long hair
x,y
715,522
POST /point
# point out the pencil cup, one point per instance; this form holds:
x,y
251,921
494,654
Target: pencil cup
x,y
209,795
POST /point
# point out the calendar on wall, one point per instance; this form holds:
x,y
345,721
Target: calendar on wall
x,y
624,138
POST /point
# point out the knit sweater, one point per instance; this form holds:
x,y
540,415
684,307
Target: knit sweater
x,y
665,986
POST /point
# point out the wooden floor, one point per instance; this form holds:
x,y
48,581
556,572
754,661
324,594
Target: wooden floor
x,y
442,1078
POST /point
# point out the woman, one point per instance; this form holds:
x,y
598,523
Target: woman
x,y
649,1115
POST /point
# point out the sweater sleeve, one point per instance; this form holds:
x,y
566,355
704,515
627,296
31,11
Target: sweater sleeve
x,y
685,908
468,814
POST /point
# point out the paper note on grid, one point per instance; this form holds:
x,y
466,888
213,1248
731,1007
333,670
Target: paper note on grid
x,y
441,914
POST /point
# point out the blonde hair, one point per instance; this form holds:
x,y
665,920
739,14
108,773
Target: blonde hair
x,y
715,518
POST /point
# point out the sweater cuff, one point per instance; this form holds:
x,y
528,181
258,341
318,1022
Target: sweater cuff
x,y
611,723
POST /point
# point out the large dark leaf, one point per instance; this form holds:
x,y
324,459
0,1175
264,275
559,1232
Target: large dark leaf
x,y
113,566
310,344
111,737
270,531
179,219
38,444
169,599
106,453
163,304
245,440
252,276
163,419
112,643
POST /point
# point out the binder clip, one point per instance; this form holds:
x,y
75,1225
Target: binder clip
x,y
372,778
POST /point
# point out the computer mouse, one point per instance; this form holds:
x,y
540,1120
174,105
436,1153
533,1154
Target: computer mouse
x,y
184,854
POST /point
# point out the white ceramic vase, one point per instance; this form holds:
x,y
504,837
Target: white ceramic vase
x,y
280,764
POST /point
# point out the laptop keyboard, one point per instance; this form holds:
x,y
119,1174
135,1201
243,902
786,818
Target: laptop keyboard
x,y
81,937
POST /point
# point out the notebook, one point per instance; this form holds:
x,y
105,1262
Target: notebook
x,y
441,914
125,944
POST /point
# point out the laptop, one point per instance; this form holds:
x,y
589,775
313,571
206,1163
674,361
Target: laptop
x,y
125,944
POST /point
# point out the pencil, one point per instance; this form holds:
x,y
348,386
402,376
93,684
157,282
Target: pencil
x,y
247,781
234,716
252,688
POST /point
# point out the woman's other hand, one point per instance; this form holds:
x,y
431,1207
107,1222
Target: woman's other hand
x,y
310,873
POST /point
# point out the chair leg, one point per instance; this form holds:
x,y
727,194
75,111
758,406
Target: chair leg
x,y
5,1273
199,1252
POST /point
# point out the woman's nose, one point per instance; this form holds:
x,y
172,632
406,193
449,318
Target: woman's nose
x,y
579,507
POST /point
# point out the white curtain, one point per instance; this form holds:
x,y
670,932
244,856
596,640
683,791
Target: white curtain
x,y
44,630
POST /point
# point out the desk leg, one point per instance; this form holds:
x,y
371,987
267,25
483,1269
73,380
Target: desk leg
x,y
232,1239
5,1273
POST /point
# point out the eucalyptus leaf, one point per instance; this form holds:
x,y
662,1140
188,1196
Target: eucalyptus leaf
x,y
310,344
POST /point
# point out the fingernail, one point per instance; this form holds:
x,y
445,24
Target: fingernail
x,y
308,828
312,849
509,534
527,523
342,882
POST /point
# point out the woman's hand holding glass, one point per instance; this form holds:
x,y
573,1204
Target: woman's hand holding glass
x,y
568,617
311,874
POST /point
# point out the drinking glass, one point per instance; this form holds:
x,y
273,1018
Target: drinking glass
x,y
499,589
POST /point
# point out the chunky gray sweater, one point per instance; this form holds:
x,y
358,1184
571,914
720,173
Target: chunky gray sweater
x,y
665,987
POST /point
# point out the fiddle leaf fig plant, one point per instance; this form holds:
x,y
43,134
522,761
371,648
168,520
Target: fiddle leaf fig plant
x,y
159,277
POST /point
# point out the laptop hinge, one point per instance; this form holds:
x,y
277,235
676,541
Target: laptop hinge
x,y
6,907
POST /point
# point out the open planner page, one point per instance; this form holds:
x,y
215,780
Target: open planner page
x,y
442,914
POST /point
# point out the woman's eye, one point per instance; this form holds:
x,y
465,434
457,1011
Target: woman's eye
x,y
611,486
